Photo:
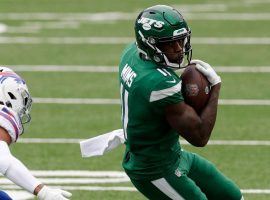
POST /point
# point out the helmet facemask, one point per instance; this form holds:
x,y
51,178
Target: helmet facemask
x,y
162,57
158,25
24,111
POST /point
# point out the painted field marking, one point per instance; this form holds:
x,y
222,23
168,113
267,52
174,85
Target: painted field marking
x,y
122,16
23,195
126,40
256,1
93,101
62,180
192,8
123,188
79,174
101,101
35,27
69,180
77,140
244,102
3,28
114,69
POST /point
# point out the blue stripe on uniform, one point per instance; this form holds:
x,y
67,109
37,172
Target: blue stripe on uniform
x,y
8,116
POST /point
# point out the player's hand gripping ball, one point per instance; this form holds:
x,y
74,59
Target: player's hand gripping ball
x,y
195,88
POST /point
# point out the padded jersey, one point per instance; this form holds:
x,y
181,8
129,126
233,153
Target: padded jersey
x,y
10,121
152,146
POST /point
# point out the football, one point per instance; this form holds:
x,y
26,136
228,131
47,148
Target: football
x,y
195,88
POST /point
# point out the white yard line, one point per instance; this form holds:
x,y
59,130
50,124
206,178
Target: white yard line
x,y
83,178
228,16
100,101
256,191
125,40
95,101
79,173
66,68
204,7
231,40
77,140
4,181
244,102
257,1
122,16
49,140
102,16
109,69
123,188
243,69
3,28
65,40
239,142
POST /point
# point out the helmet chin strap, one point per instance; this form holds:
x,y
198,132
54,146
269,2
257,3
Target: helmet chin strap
x,y
158,59
173,65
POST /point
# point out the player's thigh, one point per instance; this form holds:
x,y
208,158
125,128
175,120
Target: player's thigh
x,y
170,187
212,182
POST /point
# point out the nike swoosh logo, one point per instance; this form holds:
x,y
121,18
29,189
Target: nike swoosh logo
x,y
173,81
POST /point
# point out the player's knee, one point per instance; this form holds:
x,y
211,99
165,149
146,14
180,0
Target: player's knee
x,y
189,190
231,192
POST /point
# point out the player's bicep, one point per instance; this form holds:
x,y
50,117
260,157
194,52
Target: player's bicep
x,y
185,121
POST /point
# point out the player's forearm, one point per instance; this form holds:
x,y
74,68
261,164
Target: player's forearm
x,y
209,114
15,170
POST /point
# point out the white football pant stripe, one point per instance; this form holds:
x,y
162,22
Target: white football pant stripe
x,y
167,189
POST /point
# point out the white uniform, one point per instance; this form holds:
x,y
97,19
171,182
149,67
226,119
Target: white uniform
x,y
15,105
10,121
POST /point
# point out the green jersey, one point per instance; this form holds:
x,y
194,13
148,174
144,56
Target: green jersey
x,y
152,146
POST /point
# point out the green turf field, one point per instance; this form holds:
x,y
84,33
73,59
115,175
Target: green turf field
x,y
69,33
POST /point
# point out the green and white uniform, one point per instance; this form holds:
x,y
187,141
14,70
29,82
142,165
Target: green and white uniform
x,y
152,145
153,159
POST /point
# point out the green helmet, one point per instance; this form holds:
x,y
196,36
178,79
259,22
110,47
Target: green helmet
x,y
159,24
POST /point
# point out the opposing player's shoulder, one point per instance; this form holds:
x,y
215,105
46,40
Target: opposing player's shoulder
x,y
10,121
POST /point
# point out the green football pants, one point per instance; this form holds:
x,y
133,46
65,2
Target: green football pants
x,y
194,179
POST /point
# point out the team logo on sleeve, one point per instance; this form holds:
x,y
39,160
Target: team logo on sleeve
x,y
178,173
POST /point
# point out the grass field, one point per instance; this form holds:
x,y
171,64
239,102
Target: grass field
x,y
82,33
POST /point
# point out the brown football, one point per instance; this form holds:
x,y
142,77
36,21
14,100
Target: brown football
x,y
195,88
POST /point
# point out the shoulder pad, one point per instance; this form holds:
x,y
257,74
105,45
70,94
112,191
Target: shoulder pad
x,y
10,121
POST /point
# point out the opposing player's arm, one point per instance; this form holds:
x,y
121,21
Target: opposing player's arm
x,y
17,172
196,129
4,136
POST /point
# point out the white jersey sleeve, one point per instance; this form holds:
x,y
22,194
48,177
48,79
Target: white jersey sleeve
x,y
10,121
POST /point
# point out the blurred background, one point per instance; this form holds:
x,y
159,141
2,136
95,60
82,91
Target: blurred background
x,y
68,52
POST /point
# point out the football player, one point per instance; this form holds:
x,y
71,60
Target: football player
x,y
154,113
15,105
